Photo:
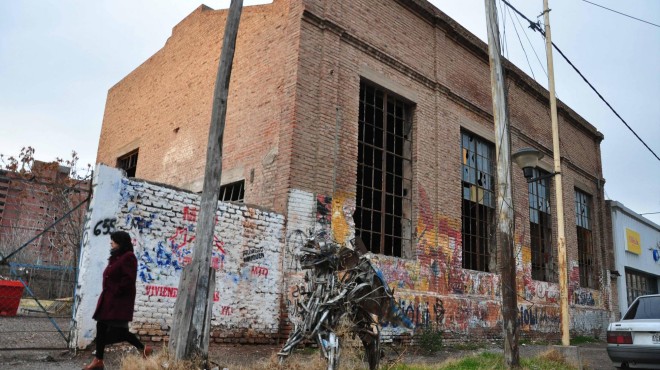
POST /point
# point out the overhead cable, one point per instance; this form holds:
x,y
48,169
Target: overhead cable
x,y
623,14
536,26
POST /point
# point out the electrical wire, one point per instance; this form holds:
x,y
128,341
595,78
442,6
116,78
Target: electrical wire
x,y
623,14
530,44
523,47
536,26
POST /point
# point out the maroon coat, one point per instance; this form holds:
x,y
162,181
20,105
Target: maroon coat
x,y
118,296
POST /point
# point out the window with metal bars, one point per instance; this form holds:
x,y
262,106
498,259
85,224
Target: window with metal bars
x,y
233,192
128,163
639,283
540,228
586,256
384,178
478,209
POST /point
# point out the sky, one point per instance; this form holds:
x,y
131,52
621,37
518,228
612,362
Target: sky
x,y
58,58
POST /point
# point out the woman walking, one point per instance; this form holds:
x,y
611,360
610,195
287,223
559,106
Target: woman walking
x,y
115,306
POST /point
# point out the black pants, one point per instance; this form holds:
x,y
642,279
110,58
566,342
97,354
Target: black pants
x,y
110,334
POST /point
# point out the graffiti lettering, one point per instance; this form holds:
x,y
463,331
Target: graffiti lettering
x,y
169,292
252,254
226,311
259,271
190,214
584,298
107,224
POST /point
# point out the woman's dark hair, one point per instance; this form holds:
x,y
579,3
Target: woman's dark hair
x,y
123,239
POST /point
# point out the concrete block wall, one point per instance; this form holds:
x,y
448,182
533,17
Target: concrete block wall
x,y
247,257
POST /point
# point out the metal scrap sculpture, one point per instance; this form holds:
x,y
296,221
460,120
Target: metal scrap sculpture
x,y
341,282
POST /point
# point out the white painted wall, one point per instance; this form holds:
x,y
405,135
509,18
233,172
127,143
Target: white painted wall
x,y
162,222
649,232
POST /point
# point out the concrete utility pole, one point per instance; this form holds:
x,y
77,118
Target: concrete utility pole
x,y
505,238
189,337
559,195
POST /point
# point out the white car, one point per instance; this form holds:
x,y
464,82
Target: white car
x,y
635,340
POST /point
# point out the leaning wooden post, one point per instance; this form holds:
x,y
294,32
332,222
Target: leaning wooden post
x,y
505,235
192,313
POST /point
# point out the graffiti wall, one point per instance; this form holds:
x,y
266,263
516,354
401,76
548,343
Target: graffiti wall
x,y
247,249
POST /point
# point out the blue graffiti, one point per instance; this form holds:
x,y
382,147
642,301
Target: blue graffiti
x,y
144,272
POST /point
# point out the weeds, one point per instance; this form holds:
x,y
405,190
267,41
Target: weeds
x,y
584,339
430,341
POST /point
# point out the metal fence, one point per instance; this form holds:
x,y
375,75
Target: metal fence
x,y
41,222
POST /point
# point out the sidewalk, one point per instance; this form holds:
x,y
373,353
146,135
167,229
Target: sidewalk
x,y
593,355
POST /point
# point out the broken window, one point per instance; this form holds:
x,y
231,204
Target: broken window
x,y
540,228
478,208
586,257
128,163
384,177
233,192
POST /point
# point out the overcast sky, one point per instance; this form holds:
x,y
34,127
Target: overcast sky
x,y
58,58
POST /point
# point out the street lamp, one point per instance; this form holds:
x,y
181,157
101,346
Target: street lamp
x,y
528,160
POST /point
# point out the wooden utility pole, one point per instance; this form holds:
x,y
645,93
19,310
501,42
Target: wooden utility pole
x,y
189,337
505,238
561,238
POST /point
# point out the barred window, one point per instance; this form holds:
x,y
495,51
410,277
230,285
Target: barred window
x,y
233,192
540,228
384,177
478,208
586,255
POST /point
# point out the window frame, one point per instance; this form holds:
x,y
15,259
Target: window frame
x,y
478,207
124,162
384,181
236,190
540,228
587,263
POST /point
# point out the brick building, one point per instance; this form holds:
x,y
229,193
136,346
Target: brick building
x,y
376,119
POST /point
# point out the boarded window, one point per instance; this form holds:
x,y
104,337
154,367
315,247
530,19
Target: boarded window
x,y
233,192
586,256
384,177
478,208
128,163
540,229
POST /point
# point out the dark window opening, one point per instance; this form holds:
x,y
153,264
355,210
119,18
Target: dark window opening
x,y
478,208
128,163
639,283
540,229
586,255
233,192
384,178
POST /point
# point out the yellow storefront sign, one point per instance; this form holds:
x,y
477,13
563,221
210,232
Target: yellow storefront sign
x,y
633,241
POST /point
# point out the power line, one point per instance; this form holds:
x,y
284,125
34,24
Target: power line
x,y
537,27
532,45
625,15
523,47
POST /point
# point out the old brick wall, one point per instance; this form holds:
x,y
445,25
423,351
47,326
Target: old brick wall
x,y
246,255
163,107
445,74
298,109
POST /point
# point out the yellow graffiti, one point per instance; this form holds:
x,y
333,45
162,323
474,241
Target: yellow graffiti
x,y
340,227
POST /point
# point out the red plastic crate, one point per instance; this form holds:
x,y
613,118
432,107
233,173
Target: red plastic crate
x,y
11,292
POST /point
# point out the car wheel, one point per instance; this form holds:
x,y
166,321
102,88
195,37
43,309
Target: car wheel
x,y
624,365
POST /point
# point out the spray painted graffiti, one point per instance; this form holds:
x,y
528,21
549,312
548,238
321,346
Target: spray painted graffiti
x,y
252,254
542,318
169,292
105,226
259,271
584,297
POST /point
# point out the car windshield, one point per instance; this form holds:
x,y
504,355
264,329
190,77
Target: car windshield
x,y
644,308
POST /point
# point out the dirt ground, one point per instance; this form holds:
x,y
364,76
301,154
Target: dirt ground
x,y
594,356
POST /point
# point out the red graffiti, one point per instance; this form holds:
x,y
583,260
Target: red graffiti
x,y
226,311
190,214
219,244
183,232
170,292
259,271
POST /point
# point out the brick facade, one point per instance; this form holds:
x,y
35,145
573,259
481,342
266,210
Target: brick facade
x,y
292,134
